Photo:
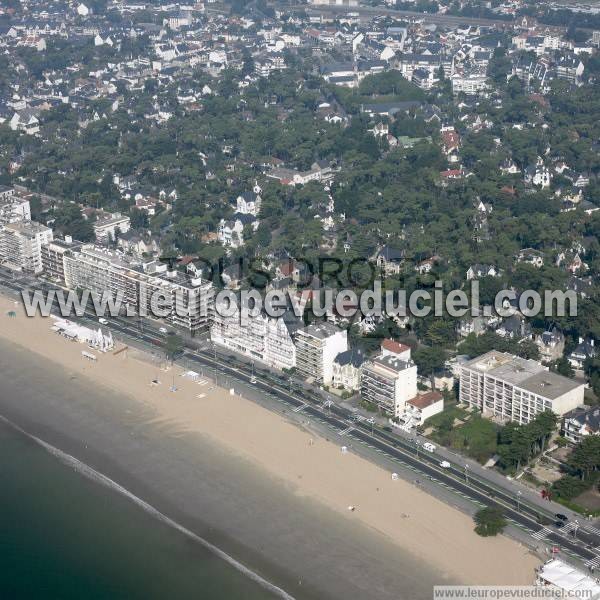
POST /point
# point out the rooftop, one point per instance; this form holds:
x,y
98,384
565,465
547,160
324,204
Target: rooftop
x,y
425,400
525,374
321,331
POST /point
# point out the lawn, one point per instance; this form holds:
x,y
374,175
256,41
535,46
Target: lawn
x,y
476,437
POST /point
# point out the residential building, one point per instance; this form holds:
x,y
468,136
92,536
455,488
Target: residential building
x,y
249,203
13,208
317,346
478,271
187,300
422,407
551,345
581,422
53,258
107,229
21,245
390,260
510,388
531,257
269,340
470,84
395,349
347,368
389,382
585,349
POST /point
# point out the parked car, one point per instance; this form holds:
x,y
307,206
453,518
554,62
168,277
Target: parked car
x,y
445,464
103,321
429,447
163,329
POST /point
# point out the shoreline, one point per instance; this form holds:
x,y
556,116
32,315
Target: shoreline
x,y
89,472
312,474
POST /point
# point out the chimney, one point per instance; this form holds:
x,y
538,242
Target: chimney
x,y
68,239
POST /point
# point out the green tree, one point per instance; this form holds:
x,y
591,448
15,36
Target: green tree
x,y
173,346
489,521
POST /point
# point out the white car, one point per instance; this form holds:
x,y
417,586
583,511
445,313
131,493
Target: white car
x,y
429,447
103,321
163,329
445,464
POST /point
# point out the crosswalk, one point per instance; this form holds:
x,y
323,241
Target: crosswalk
x,y
593,530
570,526
542,534
593,562
346,431
299,408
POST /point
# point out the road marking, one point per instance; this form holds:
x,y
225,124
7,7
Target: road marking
x,y
346,431
542,534
592,530
569,527
593,562
299,408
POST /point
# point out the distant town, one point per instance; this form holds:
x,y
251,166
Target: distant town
x,y
325,143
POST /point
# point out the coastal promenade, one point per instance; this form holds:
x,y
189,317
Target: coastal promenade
x,y
463,481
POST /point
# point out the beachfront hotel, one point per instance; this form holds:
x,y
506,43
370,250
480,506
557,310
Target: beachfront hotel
x,y
188,298
511,388
317,345
269,340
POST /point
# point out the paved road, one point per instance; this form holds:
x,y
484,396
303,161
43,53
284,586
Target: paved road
x,y
482,487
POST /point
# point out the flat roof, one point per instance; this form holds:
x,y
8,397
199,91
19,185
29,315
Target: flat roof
x,y
528,375
321,330
393,363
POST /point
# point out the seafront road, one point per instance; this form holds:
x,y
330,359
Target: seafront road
x,y
464,484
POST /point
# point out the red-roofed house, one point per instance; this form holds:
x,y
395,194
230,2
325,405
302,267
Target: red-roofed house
x,y
422,407
392,348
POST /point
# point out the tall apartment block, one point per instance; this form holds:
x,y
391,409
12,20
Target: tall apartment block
x,y
515,389
316,348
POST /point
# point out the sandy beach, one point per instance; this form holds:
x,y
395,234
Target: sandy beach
x,y
394,523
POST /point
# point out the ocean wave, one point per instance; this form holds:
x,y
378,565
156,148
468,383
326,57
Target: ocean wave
x,y
91,473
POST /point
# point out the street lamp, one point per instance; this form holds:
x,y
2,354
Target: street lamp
x,y
467,473
575,528
519,494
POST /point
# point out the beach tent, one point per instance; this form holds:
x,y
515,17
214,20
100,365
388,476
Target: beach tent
x,y
562,576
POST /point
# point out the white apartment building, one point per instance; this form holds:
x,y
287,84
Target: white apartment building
x,y
469,84
21,245
53,257
269,340
13,208
316,348
515,389
106,229
188,299
389,382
